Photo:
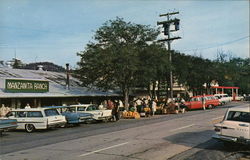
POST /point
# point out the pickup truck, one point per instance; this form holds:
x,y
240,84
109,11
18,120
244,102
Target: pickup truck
x,y
7,124
235,127
98,115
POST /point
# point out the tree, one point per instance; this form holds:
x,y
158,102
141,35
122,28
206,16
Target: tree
x,y
114,59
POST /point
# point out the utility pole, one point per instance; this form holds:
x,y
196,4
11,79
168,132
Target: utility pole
x,y
166,26
67,74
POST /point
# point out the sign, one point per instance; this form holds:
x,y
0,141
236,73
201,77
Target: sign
x,y
26,86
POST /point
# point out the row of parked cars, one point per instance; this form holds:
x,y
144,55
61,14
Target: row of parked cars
x,y
30,119
211,101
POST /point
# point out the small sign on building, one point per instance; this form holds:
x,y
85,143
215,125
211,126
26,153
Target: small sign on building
x,y
26,86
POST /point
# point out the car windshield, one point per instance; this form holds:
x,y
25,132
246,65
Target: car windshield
x,y
51,112
70,109
81,108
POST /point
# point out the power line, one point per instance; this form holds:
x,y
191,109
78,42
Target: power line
x,y
218,45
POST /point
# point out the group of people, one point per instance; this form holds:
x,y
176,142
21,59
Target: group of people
x,y
140,103
4,110
114,105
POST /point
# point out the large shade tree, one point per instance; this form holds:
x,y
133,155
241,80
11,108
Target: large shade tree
x,y
116,57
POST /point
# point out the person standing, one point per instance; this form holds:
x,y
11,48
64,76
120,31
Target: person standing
x,y
117,112
27,106
203,99
153,107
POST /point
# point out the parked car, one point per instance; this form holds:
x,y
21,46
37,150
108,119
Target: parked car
x,y
7,124
235,126
98,115
239,98
196,102
73,117
223,98
31,119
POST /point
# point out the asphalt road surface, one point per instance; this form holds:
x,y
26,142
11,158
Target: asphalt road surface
x,y
174,136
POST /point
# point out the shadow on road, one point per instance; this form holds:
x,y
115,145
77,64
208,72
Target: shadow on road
x,y
211,149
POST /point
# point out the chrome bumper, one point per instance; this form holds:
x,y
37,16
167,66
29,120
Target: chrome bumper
x,y
105,118
231,139
56,125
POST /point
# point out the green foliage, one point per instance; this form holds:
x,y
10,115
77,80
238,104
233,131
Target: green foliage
x,y
122,56
237,73
196,71
125,55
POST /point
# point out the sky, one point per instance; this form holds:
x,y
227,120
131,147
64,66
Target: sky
x,y
55,30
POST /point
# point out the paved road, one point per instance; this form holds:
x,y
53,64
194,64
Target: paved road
x,y
182,136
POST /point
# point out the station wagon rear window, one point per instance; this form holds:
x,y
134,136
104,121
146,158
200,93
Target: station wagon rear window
x,y
34,114
239,116
51,112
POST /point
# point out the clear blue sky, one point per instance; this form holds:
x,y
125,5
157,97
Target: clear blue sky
x,y
54,30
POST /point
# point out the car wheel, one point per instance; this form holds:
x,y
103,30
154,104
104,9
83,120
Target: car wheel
x,y
29,128
210,106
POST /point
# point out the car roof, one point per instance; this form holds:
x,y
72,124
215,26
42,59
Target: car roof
x,y
220,94
81,105
240,108
56,107
202,96
30,109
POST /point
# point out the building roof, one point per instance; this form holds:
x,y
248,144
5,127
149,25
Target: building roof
x,y
57,84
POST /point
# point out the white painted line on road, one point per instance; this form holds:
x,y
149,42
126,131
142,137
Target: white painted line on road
x,y
181,128
217,118
86,154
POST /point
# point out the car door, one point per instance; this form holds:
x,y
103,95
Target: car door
x,y
36,118
237,124
193,103
20,116
197,103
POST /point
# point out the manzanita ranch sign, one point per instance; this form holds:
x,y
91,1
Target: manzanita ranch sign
x,y
26,86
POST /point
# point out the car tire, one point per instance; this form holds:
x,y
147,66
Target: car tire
x,y
210,106
30,128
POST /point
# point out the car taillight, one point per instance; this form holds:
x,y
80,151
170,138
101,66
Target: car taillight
x,y
217,129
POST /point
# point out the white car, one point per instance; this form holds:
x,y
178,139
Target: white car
x,y
223,98
31,119
239,98
235,126
99,115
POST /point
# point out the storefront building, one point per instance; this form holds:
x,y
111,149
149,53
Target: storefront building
x,y
43,88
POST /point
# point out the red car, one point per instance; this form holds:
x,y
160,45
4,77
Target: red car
x,y
196,102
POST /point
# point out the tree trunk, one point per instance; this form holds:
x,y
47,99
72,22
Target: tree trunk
x,y
159,88
149,91
154,91
126,98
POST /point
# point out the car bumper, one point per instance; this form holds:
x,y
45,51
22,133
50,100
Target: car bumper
x,y
231,139
56,125
8,128
104,118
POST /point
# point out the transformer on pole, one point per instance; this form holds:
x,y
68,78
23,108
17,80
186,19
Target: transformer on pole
x,y
166,26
